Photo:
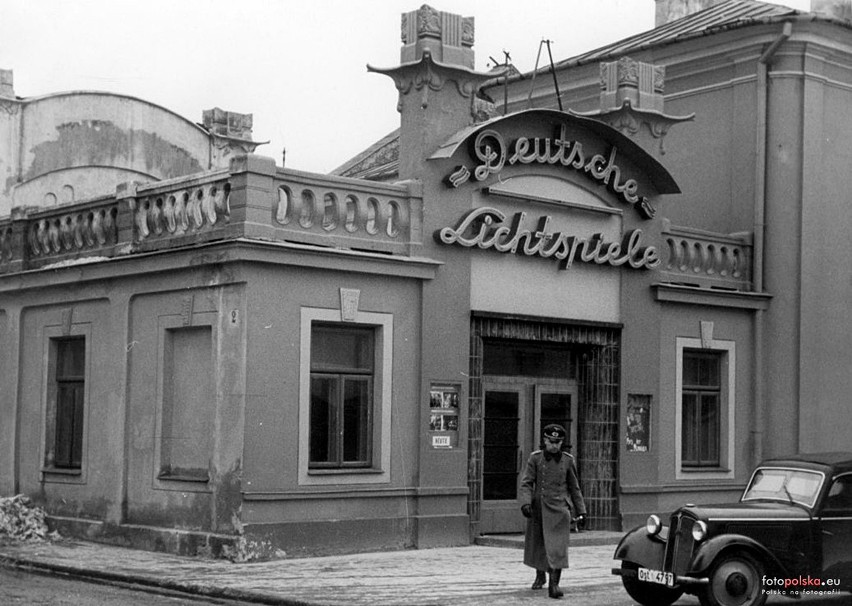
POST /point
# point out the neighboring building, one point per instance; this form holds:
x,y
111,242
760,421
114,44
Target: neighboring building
x,y
251,358
64,147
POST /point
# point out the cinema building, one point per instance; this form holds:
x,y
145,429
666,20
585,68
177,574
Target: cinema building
x,y
208,353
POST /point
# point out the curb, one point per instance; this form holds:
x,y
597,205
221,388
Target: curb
x,y
150,582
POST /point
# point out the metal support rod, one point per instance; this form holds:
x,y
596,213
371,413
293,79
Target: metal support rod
x,y
553,71
535,71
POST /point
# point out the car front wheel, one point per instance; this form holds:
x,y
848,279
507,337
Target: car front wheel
x,y
734,581
648,594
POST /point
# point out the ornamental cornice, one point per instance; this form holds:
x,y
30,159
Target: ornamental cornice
x,y
630,120
427,74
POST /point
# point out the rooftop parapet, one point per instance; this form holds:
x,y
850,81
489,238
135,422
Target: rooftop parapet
x,y
253,199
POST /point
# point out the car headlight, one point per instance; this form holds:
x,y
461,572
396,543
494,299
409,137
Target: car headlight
x,y
699,530
653,525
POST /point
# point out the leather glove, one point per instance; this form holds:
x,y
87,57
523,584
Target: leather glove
x,y
581,521
526,510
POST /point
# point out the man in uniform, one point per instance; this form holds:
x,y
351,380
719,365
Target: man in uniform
x,y
550,480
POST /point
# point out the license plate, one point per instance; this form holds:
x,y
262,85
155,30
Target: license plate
x,y
656,576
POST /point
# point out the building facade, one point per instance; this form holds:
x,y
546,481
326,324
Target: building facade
x,y
247,360
762,161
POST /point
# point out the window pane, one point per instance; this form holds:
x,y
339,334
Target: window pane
x,y
346,349
690,369
323,445
527,359
710,429
556,408
840,496
709,371
70,358
689,454
701,369
356,420
500,445
69,426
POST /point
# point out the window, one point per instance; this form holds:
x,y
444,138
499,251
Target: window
x,y
700,400
66,404
705,400
839,501
342,362
345,397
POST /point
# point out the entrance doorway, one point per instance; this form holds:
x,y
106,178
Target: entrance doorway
x,y
546,357
515,411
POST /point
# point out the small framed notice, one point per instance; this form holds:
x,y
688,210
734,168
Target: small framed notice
x,y
444,414
441,442
638,421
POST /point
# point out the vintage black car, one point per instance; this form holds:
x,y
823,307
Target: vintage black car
x,y
790,534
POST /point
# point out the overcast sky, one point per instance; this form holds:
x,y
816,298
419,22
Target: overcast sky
x,y
298,65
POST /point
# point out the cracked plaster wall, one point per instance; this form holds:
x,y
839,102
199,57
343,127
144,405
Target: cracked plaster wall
x,y
66,147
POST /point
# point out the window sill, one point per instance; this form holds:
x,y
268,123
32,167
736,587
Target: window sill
x,y
702,474
701,470
176,477
60,471
344,471
60,475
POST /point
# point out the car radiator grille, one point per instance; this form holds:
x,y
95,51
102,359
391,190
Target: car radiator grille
x,y
680,544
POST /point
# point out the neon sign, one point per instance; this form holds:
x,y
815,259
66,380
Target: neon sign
x,y
493,153
488,228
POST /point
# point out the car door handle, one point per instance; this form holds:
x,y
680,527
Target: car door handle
x,y
831,534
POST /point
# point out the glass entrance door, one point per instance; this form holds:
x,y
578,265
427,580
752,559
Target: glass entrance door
x,y
515,411
504,437
558,404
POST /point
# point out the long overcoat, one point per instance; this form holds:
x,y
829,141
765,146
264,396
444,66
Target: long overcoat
x,y
550,486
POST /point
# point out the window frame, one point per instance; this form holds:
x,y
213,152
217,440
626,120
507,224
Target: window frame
x,y
727,407
378,469
340,376
705,396
68,390
51,336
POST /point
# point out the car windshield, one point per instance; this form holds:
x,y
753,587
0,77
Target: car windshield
x,y
788,485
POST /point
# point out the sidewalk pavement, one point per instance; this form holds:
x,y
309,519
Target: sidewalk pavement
x,y
492,572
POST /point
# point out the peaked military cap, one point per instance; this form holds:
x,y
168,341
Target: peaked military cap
x,y
553,432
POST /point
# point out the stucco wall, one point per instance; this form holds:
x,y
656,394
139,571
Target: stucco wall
x,y
650,480
811,214
151,499
95,493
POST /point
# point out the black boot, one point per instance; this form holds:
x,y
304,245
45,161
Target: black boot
x,y
553,587
540,579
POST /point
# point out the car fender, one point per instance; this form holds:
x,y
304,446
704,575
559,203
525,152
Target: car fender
x,y
711,549
638,547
